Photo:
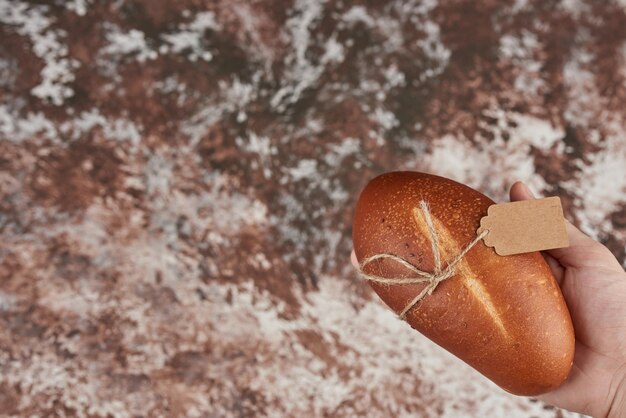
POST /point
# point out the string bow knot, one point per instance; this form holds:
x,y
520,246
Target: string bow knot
x,y
432,279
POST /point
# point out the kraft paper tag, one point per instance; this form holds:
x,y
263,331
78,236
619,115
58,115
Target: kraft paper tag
x,y
525,226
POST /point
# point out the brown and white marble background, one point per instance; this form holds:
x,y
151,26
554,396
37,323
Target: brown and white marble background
x,y
177,182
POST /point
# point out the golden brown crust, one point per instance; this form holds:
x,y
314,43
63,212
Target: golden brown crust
x,y
504,316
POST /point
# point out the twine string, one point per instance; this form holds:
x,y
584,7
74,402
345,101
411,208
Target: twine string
x,y
432,279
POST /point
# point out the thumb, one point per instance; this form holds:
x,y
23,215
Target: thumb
x,y
583,251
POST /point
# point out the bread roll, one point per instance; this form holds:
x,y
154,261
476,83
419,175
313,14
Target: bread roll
x,y
504,316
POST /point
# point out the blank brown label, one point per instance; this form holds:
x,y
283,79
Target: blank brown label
x,y
526,226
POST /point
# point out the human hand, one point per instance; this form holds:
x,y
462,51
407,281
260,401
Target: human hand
x,y
594,286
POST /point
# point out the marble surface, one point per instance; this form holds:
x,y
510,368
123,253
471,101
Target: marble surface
x,y
177,181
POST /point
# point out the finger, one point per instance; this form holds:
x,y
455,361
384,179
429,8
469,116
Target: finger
x,y
555,266
354,260
583,251
519,191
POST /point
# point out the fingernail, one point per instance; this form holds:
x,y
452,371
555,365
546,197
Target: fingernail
x,y
530,192
354,260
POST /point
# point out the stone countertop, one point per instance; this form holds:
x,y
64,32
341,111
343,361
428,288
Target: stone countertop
x,y
178,178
